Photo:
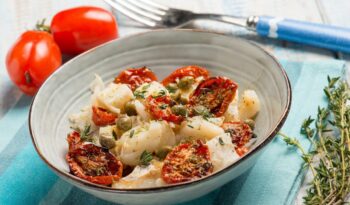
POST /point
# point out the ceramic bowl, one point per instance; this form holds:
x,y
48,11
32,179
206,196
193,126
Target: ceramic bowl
x,y
67,90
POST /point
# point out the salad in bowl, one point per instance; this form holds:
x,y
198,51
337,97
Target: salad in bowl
x,y
138,132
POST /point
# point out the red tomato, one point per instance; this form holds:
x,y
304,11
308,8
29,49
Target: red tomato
x,y
136,77
31,60
186,162
192,70
102,117
159,108
74,141
240,133
215,93
92,163
241,150
79,29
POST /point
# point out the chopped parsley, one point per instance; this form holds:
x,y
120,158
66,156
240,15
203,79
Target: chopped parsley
x,y
190,126
254,135
132,132
161,93
145,158
140,93
221,141
172,87
84,135
203,111
163,106
114,135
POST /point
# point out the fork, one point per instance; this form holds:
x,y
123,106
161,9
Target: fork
x,y
155,15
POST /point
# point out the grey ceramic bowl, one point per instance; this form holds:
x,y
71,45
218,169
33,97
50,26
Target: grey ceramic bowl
x,y
67,90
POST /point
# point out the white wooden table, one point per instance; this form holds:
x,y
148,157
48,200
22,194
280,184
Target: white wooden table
x,y
20,15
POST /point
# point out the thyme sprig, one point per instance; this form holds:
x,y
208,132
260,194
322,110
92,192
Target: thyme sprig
x,y
329,157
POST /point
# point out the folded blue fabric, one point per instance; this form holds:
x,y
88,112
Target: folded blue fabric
x,y
275,178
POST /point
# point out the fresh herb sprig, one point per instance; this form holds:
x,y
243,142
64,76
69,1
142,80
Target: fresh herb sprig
x,y
84,134
329,157
145,158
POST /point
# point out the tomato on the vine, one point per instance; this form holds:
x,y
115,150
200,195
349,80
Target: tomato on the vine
x,y
32,59
79,29
136,77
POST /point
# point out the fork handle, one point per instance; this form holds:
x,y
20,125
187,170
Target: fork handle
x,y
321,35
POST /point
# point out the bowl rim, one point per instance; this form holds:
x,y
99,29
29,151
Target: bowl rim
x,y
260,146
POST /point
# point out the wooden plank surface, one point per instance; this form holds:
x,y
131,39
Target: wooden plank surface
x,y
20,15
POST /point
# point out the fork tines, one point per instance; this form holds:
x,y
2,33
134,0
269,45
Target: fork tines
x,y
143,11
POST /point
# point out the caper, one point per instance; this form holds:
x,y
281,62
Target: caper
x,y
124,123
171,87
107,142
179,110
185,82
250,122
130,108
163,152
200,110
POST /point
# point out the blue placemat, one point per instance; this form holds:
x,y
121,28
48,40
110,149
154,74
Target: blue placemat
x,y
275,179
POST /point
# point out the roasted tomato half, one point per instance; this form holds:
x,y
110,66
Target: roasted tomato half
x,y
160,109
240,133
136,77
92,163
102,117
215,93
74,141
192,70
187,161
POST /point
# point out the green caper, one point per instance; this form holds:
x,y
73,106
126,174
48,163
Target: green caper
x,y
185,82
124,123
130,108
200,110
107,142
163,152
250,122
179,110
171,87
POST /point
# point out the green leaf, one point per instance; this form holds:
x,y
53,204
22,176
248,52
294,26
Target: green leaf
x,y
145,158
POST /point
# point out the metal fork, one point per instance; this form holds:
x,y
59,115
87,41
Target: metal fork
x,y
155,15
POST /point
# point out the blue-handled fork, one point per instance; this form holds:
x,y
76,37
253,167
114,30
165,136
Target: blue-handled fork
x,y
159,16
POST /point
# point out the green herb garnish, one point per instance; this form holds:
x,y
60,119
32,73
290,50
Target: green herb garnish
x,y
140,94
221,141
145,158
161,93
329,157
163,106
188,125
172,87
114,135
132,132
84,135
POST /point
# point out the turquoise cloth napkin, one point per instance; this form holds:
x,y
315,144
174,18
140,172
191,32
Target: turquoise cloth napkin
x,y
275,178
